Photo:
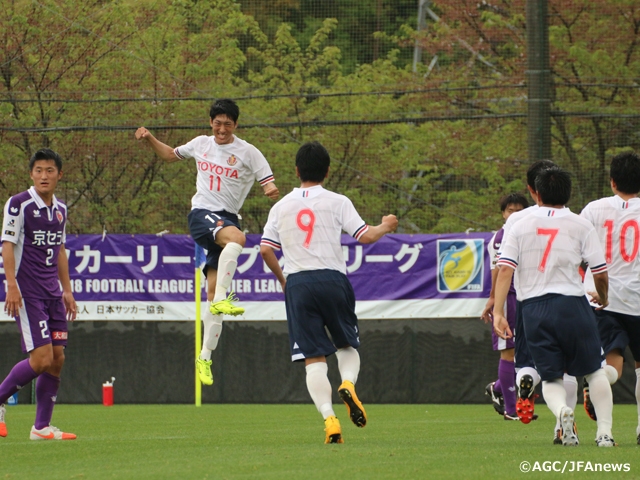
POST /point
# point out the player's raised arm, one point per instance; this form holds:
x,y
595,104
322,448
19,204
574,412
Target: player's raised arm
x,y
373,234
165,152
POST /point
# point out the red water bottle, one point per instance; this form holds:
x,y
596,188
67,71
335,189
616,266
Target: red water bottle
x,y
107,392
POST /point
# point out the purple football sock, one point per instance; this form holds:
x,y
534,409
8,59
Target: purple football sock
x,y
46,393
18,377
507,375
497,387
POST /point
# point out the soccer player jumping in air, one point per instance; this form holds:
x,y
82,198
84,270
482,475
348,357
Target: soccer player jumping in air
x,y
307,224
546,252
36,264
227,168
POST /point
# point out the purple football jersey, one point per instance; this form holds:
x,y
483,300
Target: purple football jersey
x,y
37,232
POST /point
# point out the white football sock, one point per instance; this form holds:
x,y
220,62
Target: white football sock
x,y
320,388
602,399
611,373
528,371
571,386
226,269
348,364
554,395
212,330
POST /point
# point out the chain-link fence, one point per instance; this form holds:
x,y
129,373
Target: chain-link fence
x,y
422,104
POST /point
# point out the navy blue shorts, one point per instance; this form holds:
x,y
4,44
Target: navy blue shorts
x,y
617,330
204,225
562,334
317,301
522,354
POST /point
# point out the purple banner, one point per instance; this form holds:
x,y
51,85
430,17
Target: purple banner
x,y
139,272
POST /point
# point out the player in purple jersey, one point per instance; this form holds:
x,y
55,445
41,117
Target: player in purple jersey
x,y
306,224
36,265
503,391
227,168
562,335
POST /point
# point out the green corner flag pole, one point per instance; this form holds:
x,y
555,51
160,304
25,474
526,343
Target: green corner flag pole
x,y
200,259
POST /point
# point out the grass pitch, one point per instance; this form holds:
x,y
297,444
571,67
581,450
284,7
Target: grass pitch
x,y
286,441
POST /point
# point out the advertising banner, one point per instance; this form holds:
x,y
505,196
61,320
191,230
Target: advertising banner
x,y
149,277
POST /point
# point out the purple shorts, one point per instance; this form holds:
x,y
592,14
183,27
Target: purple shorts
x,y
42,322
499,343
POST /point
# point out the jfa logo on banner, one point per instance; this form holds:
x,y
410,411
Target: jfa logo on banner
x,y
460,265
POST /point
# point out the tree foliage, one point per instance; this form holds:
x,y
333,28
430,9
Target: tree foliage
x,y
437,146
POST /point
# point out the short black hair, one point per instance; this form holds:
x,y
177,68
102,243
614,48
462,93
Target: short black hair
x,y
515,199
535,169
625,172
553,186
313,162
45,154
225,106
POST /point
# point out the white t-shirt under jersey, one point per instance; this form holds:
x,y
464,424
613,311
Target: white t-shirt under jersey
x,y
617,224
225,172
547,248
306,224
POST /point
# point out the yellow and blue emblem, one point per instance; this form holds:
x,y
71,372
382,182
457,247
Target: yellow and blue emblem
x,y
460,265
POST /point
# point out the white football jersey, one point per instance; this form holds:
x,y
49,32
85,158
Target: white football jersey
x,y
306,224
617,224
511,221
546,249
225,172
513,218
